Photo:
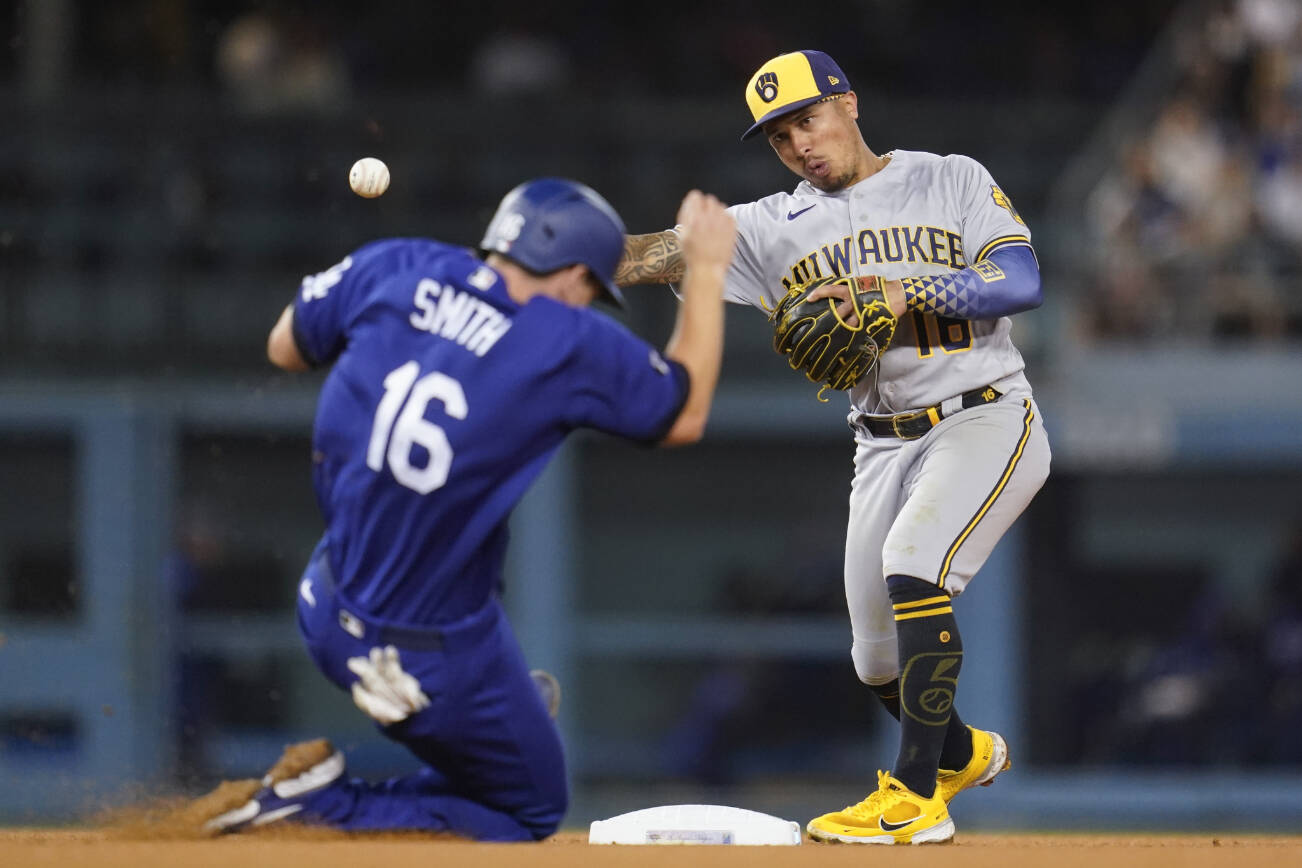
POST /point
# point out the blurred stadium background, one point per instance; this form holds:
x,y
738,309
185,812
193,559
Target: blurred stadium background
x,y
169,169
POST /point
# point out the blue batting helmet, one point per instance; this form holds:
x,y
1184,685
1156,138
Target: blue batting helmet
x,y
550,223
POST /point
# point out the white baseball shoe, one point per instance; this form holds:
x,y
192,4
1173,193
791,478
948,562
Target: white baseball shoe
x,y
302,770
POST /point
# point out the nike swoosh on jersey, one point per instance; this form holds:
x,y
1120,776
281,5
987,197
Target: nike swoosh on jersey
x,y
792,215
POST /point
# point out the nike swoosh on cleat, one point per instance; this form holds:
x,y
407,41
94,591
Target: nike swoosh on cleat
x,y
792,215
892,827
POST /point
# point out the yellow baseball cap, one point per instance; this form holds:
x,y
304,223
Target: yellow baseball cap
x,y
789,82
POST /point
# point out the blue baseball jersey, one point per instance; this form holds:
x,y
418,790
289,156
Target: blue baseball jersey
x,y
445,400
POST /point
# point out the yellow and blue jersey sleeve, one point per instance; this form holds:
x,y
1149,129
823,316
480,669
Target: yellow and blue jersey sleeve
x,y
989,220
1006,282
1002,277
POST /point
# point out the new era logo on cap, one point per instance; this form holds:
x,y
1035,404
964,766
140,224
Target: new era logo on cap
x,y
789,82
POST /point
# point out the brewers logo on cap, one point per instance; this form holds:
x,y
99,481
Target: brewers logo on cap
x,y
789,82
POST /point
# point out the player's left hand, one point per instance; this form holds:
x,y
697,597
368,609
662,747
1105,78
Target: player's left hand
x,y
893,290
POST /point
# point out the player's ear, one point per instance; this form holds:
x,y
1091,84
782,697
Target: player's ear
x,y
576,286
850,104
593,285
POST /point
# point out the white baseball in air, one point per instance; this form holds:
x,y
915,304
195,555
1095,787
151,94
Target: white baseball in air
x,y
369,177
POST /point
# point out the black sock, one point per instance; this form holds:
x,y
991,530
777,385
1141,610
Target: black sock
x,y
889,694
957,751
931,655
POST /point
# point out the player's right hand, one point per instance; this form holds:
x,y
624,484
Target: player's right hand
x,y
708,232
893,290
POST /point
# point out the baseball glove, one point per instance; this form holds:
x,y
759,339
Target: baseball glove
x,y
816,340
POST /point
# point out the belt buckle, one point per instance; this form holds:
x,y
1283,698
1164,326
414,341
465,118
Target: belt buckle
x,y
905,417
352,624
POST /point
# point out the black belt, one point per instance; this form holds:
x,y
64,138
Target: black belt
x,y
911,426
459,633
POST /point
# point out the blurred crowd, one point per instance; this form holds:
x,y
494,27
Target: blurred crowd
x,y
1220,687
1198,226
1214,682
171,157
329,48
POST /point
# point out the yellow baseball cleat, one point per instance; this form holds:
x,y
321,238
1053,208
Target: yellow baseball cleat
x,y
989,758
892,815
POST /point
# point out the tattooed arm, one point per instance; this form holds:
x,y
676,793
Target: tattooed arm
x,y
654,258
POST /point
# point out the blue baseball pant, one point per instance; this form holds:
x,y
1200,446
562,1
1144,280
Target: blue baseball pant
x,y
494,768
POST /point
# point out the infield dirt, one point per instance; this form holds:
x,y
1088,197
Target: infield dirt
x,y
294,847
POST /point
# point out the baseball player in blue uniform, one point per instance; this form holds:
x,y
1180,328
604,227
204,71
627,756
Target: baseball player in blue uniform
x,y
454,377
949,443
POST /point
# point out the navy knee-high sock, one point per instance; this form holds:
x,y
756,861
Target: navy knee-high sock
x,y
931,655
957,751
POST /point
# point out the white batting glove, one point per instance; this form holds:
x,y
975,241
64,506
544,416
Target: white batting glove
x,y
383,690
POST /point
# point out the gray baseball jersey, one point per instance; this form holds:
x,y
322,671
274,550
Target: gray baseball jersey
x,y
921,215
931,508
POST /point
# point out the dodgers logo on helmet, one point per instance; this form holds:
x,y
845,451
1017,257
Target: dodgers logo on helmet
x,y
508,229
767,86
551,223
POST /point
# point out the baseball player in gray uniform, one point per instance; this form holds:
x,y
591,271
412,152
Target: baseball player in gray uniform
x,y
950,446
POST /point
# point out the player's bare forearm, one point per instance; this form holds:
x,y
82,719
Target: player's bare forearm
x,y
697,344
654,258
281,348
697,341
